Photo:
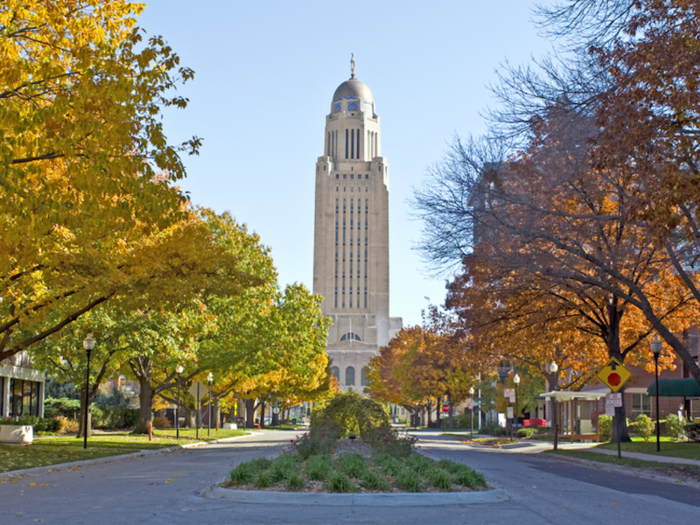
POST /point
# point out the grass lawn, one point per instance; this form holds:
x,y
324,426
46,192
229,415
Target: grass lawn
x,y
668,448
53,450
614,460
490,441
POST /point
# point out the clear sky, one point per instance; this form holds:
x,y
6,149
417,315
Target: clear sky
x,y
265,75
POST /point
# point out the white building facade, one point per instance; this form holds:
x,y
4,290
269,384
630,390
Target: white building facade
x,y
351,234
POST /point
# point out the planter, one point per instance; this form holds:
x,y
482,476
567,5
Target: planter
x,y
17,434
230,426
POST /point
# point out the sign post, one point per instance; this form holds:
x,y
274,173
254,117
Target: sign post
x,y
614,375
198,394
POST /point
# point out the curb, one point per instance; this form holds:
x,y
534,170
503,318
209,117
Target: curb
x,y
88,462
364,500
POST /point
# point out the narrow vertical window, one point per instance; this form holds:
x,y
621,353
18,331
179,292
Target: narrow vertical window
x,y
357,151
346,143
352,143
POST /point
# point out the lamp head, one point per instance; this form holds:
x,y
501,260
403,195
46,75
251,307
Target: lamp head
x,y
471,391
655,346
554,368
89,343
210,377
179,369
516,379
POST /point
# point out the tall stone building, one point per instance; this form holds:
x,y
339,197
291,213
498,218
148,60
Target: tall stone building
x,y
351,237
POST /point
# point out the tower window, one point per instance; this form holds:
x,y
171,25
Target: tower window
x,y
345,175
352,144
337,175
337,108
352,175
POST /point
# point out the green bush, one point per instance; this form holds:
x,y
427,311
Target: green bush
x,y
40,424
674,427
643,426
388,463
319,467
68,408
352,464
468,477
408,480
420,464
294,481
692,431
526,432
462,420
605,427
375,481
339,482
349,413
247,472
264,479
439,478
498,431
314,443
386,440
283,468
123,417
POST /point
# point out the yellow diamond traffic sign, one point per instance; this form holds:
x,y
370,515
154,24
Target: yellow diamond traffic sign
x,y
614,374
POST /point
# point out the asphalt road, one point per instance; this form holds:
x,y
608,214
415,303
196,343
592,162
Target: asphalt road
x,y
166,488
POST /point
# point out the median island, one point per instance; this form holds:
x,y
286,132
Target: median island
x,y
352,448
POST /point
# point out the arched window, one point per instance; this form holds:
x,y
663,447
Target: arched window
x,y
335,372
363,376
349,376
350,336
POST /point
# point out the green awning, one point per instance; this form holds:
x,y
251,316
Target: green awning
x,y
687,387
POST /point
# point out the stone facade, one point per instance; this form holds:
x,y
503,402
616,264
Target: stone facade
x,y
351,237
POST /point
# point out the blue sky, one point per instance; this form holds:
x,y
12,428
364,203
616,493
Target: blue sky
x,y
265,74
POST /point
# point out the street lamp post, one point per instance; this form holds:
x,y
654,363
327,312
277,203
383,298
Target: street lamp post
x,y
178,369
554,369
210,378
516,382
471,395
656,350
88,344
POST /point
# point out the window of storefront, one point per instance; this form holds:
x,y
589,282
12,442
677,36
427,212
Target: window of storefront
x,y
24,398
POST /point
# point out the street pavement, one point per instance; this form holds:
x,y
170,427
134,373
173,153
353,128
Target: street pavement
x,y
167,488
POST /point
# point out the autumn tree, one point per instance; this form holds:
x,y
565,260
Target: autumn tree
x,y
422,364
85,168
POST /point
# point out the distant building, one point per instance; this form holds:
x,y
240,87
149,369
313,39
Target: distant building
x,y
22,387
351,235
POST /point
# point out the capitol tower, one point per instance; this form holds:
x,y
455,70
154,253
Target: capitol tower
x,y
351,234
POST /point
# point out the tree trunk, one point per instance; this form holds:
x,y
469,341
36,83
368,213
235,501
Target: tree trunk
x,y
450,420
145,404
620,423
262,414
189,415
81,422
250,413
216,413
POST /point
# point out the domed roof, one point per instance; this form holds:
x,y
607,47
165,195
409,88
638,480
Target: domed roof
x,y
353,88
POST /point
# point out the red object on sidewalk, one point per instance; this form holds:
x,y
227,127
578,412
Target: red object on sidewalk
x,y
150,431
